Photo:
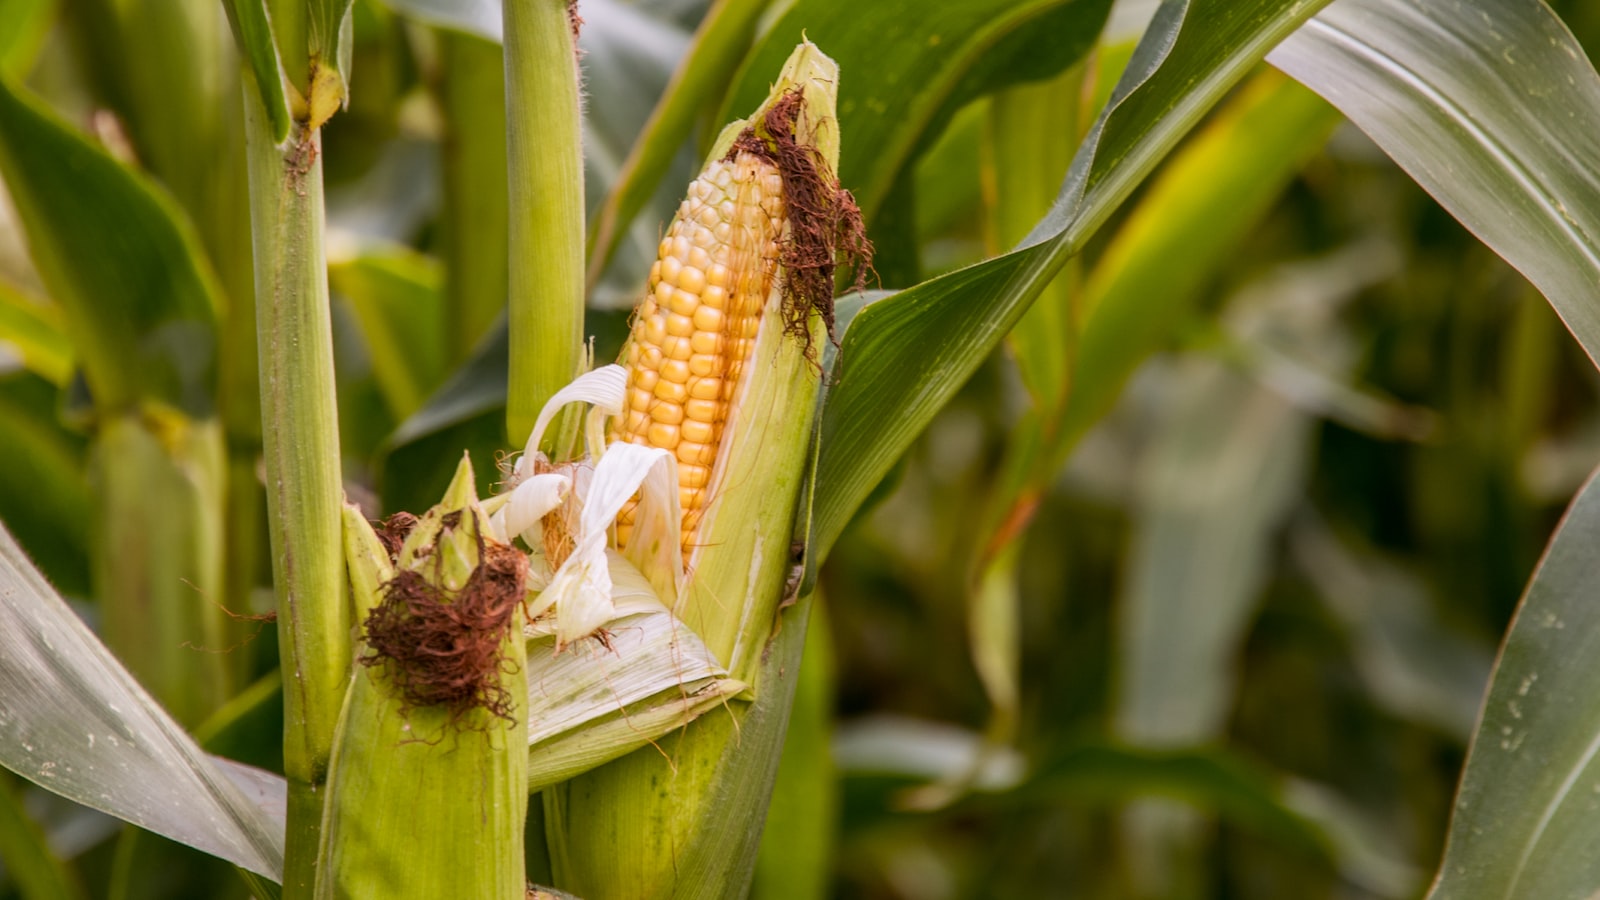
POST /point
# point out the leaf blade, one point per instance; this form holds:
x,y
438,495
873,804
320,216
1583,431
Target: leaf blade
x,y
161,781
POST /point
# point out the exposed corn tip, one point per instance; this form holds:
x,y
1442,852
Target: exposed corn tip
x,y
695,329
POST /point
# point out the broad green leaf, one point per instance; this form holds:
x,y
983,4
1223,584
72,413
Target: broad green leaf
x,y
906,66
1295,815
31,331
76,723
1240,793
44,499
252,31
905,356
30,864
718,46
1027,164
121,260
1525,818
23,26
1493,112
397,297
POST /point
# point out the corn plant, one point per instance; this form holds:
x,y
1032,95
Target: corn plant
x,y
576,667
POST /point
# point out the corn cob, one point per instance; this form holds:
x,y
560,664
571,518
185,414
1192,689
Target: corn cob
x,y
694,331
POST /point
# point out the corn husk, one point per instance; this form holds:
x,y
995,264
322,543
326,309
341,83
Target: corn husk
x,y
426,801
682,817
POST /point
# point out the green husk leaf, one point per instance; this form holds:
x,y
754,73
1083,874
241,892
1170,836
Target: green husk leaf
x,y
396,754
685,815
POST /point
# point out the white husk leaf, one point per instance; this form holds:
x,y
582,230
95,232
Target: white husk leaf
x,y
529,502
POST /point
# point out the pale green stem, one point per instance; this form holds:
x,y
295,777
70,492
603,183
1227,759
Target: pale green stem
x,y
546,212
473,97
301,442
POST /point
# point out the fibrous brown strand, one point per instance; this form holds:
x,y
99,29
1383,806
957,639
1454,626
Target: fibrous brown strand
x,y
447,649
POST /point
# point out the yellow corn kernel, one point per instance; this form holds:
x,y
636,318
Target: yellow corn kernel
x,y
698,323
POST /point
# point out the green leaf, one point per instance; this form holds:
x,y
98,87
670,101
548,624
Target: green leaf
x,y
1242,794
119,257
73,721
1493,113
1524,816
31,330
23,26
906,66
397,297
43,495
30,864
905,356
253,33
1195,215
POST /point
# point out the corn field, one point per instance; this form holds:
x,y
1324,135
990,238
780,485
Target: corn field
x,y
724,448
